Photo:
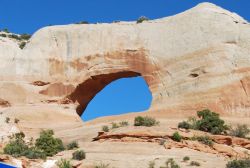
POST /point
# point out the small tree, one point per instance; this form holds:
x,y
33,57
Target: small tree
x,y
22,45
211,122
48,143
186,158
79,155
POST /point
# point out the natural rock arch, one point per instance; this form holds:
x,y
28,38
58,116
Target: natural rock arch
x,y
87,90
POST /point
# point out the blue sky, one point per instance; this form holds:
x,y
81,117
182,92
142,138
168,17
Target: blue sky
x,y
125,95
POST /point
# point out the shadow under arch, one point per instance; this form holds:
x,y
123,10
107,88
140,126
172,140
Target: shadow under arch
x,y
87,90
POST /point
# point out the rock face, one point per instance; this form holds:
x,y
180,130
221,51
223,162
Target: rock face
x,y
193,60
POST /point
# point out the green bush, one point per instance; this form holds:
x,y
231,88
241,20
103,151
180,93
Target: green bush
x,y
48,143
210,122
176,137
7,119
79,155
25,36
16,120
186,158
6,30
238,164
195,163
3,35
63,163
82,22
142,19
170,163
102,165
123,123
203,139
184,124
240,131
16,146
72,145
151,164
114,125
145,121
13,36
105,128
34,153
22,45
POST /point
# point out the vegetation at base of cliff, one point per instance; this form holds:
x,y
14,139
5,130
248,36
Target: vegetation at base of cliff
x,y
102,165
170,163
186,158
195,163
82,22
45,145
238,164
142,19
63,163
176,137
203,139
115,125
48,144
72,145
22,45
105,128
79,155
145,121
240,131
207,121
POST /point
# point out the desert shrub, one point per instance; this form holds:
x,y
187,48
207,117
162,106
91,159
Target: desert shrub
x,y
16,120
114,125
48,143
186,158
79,155
105,128
142,19
7,119
16,146
145,121
123,123
3,35
25,36
195,163
82,22
176,137
151,164
210,122
238,164
72,145
22,45
170,163
63,163
204,139
34,153
240,131
184,124
162,141
13,36
102,165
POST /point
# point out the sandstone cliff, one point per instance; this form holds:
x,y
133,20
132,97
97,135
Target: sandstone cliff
x,y
196,59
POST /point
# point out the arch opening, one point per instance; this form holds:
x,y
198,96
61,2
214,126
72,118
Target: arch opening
x,y
87,90
121,96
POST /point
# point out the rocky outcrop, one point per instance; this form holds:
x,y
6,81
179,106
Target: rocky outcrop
x,y
196,59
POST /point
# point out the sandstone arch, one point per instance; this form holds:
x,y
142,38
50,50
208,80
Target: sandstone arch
x,y
86,91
